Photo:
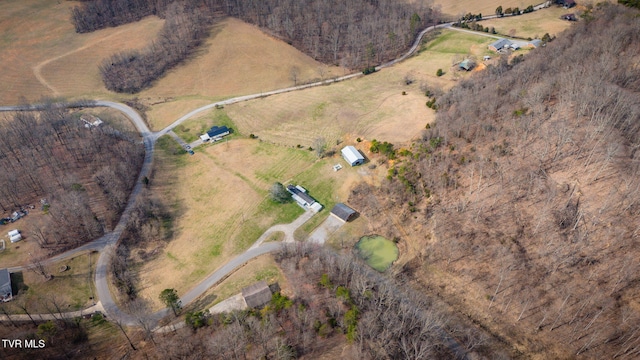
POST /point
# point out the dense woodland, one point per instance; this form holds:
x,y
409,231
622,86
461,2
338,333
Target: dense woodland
x,y
525,195
84,174
354,34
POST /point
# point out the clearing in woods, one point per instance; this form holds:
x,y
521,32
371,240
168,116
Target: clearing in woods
x,y
41,54
221,203
369,107
69,290
532,25
237,59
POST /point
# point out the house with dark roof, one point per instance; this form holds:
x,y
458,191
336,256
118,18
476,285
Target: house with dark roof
x,y
499,44
343,212
217,132
257,295
5,286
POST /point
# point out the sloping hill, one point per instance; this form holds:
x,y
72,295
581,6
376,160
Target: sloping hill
x,y
239,58
522,203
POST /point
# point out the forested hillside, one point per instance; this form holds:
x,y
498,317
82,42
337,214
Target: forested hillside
x,y
341,309
85,174
352,34
524,198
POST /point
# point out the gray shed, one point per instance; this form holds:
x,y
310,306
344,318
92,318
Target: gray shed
x,y
343,212
257,295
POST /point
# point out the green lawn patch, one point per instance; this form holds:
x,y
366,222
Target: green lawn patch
x,y
191,130
455,42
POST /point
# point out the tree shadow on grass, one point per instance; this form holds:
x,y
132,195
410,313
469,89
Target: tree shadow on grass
x,y
202,303
17,283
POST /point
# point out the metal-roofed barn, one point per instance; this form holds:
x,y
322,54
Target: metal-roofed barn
x,y
257,295
5,286
343,212
499,44
352,155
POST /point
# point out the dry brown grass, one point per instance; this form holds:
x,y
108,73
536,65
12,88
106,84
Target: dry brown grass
x,y
43,56
368,107
485,7
261,268
71,289
222,207
75,73
38,38
533,25
237,59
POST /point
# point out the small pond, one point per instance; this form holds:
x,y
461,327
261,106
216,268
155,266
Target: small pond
x,y
377,251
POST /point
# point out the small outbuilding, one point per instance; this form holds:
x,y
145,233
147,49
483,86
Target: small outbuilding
x,y
535,43
14,236
352,155
466,65
6,294
257,295
343,212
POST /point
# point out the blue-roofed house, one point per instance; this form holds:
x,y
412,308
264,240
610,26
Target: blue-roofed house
x,y
218,132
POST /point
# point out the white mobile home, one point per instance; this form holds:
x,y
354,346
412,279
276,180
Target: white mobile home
x,y
352,155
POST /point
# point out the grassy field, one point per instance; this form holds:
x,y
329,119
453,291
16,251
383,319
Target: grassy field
x,y
237,59
368,107
220,198
191,130
258,269
533,25
71,289
41,55
485,7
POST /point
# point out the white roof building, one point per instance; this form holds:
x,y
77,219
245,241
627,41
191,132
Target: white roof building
x,y
352,155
